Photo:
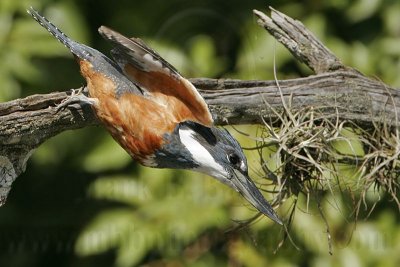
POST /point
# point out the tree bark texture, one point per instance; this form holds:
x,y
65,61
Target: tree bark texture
x,y
335,91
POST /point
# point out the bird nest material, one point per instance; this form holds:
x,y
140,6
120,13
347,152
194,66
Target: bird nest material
x,y
310,152
308,155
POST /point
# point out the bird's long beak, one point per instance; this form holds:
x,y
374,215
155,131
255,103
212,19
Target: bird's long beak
x,y
250,192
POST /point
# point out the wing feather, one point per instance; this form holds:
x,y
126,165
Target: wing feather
x,y
148,69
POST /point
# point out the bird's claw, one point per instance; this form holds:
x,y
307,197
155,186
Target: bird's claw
x,y
77,97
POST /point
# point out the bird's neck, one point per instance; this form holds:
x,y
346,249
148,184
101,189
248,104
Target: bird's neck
x,y
173,154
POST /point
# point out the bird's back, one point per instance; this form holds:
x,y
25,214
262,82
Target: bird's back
x,y
137,119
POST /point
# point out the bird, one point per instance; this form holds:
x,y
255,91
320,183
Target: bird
x,y
156,114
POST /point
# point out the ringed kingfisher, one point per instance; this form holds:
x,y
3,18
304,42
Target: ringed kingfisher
x,y
156,114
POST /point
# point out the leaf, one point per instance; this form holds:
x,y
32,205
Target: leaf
x,y
106,231
247,254
360,10
120,188
348,144
136,245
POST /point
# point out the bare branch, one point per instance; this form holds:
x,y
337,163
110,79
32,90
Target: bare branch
x,y
336,92
299,41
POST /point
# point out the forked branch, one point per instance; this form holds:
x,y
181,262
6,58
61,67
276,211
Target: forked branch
x,y
336,91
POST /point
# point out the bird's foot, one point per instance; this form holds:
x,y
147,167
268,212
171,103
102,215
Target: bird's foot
x,y
78,96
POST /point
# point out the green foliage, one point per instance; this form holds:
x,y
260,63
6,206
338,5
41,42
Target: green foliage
x,y
165,211
108,211
17,48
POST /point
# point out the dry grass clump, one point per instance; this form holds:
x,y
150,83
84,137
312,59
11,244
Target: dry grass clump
x,y
309,149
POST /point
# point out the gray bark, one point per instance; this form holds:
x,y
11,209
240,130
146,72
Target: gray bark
x,y
335,91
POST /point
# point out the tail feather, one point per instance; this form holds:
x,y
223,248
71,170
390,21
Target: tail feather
x,y
80,50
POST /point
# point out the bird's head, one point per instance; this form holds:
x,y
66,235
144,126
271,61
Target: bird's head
x,y
215,152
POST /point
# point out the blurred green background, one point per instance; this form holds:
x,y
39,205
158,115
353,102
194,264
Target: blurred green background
x,y
83,202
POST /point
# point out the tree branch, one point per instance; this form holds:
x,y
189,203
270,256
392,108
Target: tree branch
x,y
300,42
336,91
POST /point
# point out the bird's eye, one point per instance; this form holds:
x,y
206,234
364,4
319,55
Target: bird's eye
x,y
233,159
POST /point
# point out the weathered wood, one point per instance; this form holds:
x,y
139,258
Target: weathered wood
x,y
336,91
300,42
348,95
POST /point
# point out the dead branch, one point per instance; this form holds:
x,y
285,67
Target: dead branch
x,y
336,91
